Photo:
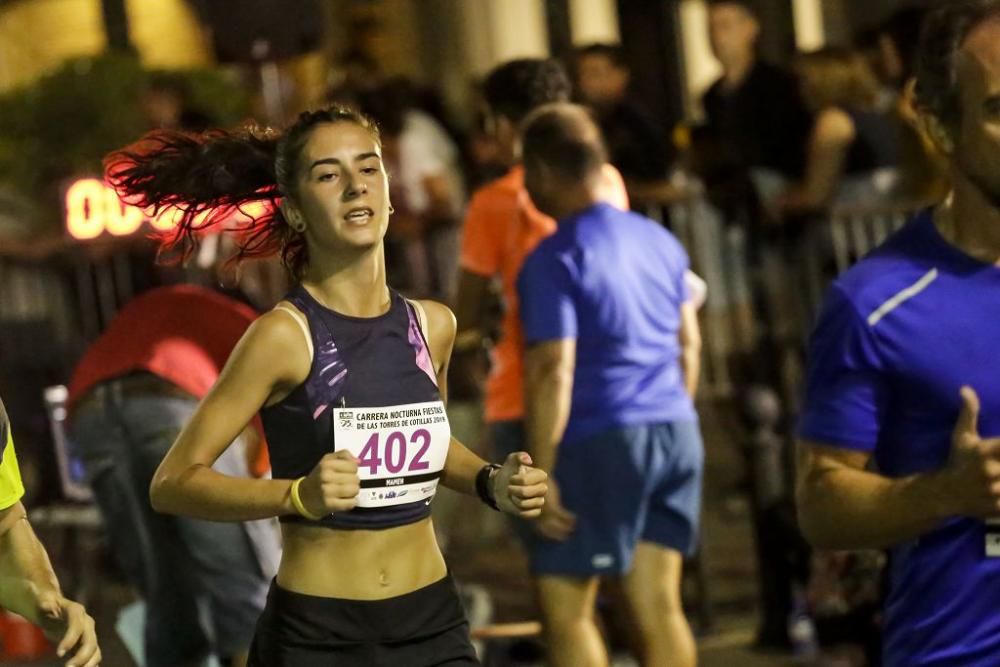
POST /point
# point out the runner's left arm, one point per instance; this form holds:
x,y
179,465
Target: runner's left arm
x,y
518,487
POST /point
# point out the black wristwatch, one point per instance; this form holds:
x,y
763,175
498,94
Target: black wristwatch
x,y
483,487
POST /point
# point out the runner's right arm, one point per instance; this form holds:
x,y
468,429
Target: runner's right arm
x,y
842,505
268,362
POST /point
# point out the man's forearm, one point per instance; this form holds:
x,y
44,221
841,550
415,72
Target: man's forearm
x,y
844,508
470,309
25,571
691,366
547,406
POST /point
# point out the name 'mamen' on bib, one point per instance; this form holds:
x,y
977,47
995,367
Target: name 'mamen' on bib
x,y
401,450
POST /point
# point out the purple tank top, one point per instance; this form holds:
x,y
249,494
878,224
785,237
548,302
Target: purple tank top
x,y
372,389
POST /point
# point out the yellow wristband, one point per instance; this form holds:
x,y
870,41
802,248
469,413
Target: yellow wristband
x,y
297,502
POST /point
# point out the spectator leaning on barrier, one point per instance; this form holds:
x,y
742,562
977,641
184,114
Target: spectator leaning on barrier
x,y
754,112
636,146
853,149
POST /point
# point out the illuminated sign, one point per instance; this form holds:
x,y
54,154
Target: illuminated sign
x,y
93,208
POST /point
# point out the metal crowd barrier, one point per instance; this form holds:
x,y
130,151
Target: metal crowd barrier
x,y
73,295
71,298
793,278
78,294
702,232
837,242
855,232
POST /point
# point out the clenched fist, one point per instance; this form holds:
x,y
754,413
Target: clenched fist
x,y
518,488
332,486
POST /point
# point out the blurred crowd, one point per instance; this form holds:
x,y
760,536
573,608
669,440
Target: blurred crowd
x,y
779,143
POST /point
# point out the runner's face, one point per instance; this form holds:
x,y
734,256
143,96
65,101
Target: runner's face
x,y
343,190
977,144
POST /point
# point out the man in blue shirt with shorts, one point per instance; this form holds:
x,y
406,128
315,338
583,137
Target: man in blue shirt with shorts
x,y
899,445
610,368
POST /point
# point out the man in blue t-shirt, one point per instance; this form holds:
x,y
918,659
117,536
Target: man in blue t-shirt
x,y
610,368
898,436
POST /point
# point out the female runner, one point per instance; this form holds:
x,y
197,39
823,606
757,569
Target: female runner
x,y
349,379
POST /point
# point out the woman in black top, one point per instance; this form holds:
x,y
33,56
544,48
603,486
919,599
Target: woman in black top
x,y
349,379
852,142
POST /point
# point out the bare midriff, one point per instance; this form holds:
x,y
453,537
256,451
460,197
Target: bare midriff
x,y
360,564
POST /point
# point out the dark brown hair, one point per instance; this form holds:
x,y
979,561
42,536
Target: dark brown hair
x,y
212,175
612,52
945,31
518,87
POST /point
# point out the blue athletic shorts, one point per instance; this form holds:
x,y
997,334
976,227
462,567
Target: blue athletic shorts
x,y
625,485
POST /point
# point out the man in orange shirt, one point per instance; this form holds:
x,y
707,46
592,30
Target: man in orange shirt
x,y
502,227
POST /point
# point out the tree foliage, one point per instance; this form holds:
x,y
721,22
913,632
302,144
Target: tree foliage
x,y
61,127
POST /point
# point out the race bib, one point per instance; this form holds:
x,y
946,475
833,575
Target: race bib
x,y
401,450
993,538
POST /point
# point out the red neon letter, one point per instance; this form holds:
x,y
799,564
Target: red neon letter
x,y
85,209
122,218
